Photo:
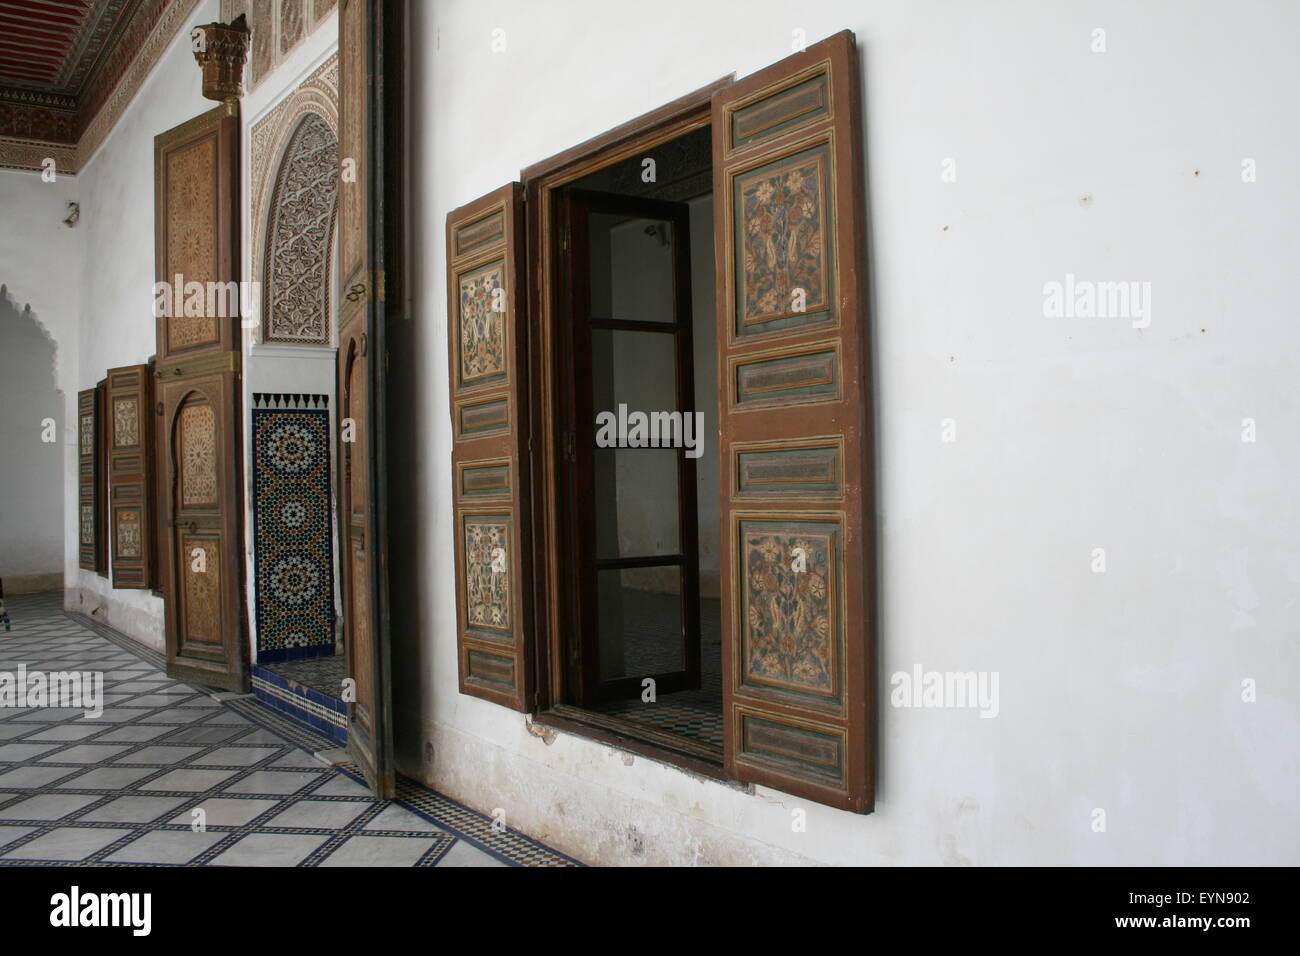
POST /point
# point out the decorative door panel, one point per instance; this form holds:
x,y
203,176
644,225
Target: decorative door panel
x,y
196,242
197,389
204,606
129,417
485,301
798,573
363,33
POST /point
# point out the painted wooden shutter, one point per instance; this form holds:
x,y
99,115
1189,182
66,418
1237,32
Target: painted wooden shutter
x,y
129,417
485,302
797,502
88,532
361,374
101,478
197,388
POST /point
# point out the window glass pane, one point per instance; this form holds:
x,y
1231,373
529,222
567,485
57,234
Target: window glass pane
x,y
631,268
635,488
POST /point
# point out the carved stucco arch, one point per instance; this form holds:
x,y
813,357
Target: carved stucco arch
x,y
272,141
296,300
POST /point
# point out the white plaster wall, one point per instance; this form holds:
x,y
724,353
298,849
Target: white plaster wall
x,y
40,263
1119,690
116,188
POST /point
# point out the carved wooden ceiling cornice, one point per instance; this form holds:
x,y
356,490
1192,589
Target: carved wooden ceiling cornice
x,y
111,53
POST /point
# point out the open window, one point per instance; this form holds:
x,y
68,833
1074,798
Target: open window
x,y
706,598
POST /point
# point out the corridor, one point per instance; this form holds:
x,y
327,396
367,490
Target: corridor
x,y
124,788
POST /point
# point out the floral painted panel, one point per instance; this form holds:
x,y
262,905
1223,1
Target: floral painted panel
x,y
87,524
198,434
789,603
482,328
128,534
781,242
126,422
87,434
487,573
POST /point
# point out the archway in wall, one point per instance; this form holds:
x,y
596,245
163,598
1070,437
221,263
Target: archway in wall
x,y
32,443
294,541
299,237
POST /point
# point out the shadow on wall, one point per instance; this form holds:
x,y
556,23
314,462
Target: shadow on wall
x,y
31,453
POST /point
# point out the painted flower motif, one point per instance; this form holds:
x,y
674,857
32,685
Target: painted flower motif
x,y
482,331
782,246
788,615
487,591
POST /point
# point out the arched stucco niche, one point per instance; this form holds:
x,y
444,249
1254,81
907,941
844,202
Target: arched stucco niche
x,y
300,237
32,444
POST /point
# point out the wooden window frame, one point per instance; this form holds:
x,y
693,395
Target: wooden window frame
x,y
799,715
552,620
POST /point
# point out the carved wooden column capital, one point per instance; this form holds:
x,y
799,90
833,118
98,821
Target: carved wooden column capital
x,y
221,50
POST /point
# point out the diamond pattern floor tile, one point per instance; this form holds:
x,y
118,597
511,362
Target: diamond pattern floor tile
x,y
168,776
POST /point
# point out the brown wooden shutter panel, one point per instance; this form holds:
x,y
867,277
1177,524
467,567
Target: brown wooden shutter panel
x,y
129,419
87,449
101,478
797,501
486,335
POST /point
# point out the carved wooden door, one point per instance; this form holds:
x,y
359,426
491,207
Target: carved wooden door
x,y
361,362
197,399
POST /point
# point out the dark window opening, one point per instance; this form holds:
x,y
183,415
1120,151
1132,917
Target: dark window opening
x,y
645,648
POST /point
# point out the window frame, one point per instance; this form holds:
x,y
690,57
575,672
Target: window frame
x,y
549,541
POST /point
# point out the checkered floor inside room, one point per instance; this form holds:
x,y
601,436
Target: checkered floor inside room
x,y
695,714
125,787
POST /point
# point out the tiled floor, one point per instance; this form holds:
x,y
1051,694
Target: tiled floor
x,y
695,714
169,776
